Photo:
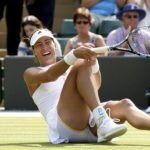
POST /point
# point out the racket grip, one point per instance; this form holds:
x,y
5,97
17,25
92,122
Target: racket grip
x,y
101,49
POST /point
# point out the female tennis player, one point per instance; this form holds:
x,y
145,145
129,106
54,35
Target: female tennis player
x,y
66,94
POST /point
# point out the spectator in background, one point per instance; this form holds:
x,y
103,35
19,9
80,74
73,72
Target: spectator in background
x,y
101,9
82,22
29,25
145,4
130,15
13,21
43,10
122,3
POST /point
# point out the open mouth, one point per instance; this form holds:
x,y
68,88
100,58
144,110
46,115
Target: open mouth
x,y
47,54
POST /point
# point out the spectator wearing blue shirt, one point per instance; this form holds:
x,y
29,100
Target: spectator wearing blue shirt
x,y
101,9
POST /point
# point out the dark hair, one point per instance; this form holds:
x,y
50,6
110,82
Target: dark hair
x,y
84,12
30,20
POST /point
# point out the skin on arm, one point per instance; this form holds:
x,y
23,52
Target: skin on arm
x,y
147,2
34,76
100,42
121,3
68,47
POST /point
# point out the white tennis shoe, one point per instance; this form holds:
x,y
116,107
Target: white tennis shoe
x,y
109,130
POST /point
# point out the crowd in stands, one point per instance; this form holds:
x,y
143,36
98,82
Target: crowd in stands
x,y
43,10
131,13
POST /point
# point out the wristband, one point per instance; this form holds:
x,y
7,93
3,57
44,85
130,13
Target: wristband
x,y
70,58
95,67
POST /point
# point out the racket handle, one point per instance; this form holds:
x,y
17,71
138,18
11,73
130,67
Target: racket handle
x,y
101,49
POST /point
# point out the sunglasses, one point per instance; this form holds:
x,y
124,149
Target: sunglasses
x,y
132,16
82,22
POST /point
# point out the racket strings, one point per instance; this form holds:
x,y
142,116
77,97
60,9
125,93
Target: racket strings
x,y
137,40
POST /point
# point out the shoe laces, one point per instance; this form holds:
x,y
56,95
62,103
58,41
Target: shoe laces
x,y
116,120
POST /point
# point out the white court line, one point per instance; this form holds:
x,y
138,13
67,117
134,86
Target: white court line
x,y
20,114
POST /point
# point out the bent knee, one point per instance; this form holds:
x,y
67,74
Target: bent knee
x,y
108,104
84,69
114,110
126,102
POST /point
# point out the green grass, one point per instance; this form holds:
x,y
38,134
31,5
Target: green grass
x,y
30,133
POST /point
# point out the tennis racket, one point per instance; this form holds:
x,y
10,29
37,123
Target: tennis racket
x,y
138,37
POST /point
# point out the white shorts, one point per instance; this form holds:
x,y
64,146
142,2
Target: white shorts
x,y
59,132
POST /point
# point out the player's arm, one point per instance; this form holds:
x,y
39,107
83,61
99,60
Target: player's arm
x,y
68,47
36,75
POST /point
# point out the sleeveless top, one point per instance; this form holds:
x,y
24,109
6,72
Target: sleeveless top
x,y
47,95
75,40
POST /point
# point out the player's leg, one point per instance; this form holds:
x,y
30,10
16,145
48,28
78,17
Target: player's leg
x,y
126,110
80,93
71,107
87,84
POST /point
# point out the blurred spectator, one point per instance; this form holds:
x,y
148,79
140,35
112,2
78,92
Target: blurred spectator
x,y
29,25
145,4
13,18
82,22
43,10
130,15
122,3
101,9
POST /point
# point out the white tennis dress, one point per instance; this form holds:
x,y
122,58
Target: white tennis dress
x,y
46,98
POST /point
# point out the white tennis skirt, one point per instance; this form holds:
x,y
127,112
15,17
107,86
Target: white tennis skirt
x,y
59,132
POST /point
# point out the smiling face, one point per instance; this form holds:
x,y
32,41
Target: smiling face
x,y
44,50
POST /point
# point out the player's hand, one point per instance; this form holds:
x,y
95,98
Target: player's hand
x,y
84,53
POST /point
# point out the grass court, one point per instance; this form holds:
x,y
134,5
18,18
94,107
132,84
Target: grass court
x,y
28,131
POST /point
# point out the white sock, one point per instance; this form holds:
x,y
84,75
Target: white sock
x,y
99,114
